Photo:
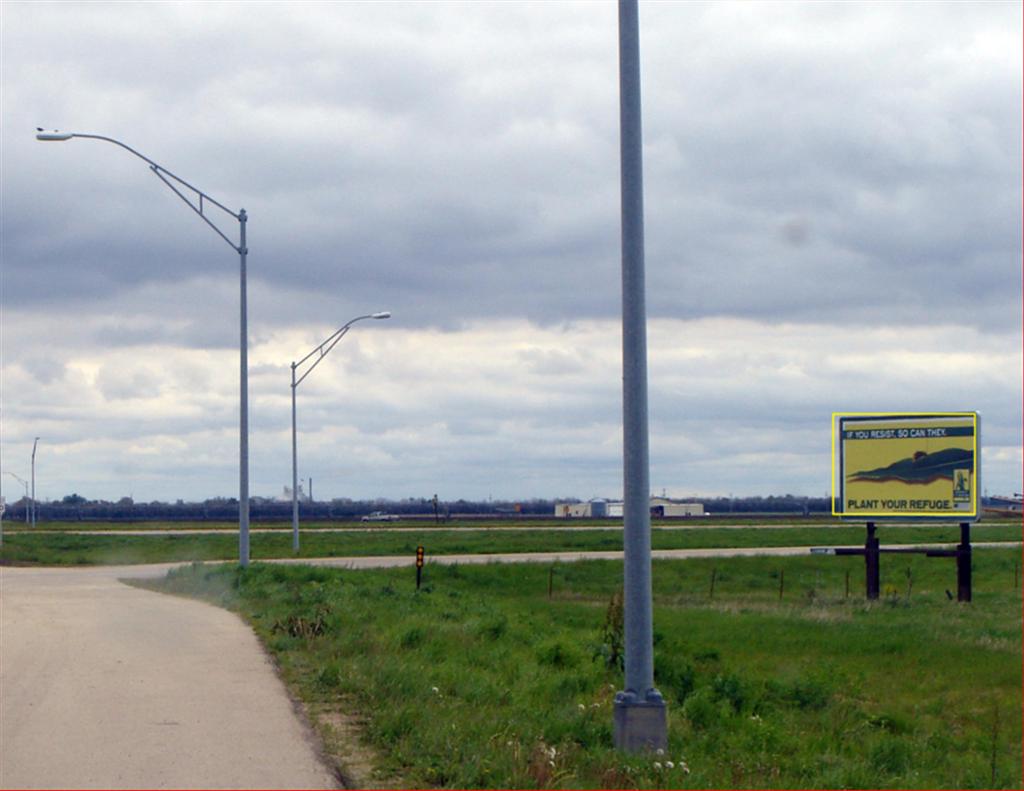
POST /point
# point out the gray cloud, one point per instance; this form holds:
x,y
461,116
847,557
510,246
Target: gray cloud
x,y
834,167
472,153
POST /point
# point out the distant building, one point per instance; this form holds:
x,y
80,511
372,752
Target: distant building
x,y
596,509
662,507
601,509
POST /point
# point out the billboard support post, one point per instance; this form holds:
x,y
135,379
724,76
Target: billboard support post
x,y
872,550
963,564
871,566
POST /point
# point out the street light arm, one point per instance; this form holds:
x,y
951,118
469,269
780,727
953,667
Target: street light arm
x,y
197,204
329,343
18,477
323,349
159,171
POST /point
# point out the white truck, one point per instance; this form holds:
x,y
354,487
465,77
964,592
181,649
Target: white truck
x,y
380,516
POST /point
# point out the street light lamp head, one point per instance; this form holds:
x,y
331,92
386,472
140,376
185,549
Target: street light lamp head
x,y
54,136
384,314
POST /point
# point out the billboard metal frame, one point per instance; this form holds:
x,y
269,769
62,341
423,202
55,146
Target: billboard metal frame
x,y
841,421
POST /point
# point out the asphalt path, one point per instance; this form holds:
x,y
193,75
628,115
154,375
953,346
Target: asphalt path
x,y
104,685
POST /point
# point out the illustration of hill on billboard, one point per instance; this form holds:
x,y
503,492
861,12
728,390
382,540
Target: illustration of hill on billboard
x,y
909,466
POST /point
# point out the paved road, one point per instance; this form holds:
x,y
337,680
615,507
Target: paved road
x,y
571,557
107,686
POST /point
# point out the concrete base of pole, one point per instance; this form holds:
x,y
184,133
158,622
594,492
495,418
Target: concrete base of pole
x,y
640,725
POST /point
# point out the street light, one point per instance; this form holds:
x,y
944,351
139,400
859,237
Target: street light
x,y
36,442
198,201
324,349
25,484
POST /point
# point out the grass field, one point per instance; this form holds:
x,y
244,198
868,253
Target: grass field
x,y
63,547
482,679
453,522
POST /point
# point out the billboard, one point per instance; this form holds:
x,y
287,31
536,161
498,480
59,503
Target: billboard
x,y
906,465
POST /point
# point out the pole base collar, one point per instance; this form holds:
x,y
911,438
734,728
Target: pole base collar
x,y
640,725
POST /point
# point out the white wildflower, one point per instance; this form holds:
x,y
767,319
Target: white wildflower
x,y
670,765
435,690
659,751
657,765
582,707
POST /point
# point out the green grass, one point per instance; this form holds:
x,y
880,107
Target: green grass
x,y
67,548
481,680
507,522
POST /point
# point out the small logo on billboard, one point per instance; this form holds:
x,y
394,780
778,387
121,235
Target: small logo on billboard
x,y
961,486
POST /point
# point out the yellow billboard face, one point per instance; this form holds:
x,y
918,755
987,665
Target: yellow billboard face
x,y
906,465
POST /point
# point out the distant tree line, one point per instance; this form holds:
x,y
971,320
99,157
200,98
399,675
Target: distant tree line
x,y
75,507
772,504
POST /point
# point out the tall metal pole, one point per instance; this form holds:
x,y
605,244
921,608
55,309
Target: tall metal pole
x,y
295,473
34,444
243,429
639,714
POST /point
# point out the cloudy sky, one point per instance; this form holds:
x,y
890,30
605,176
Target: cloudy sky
x,y
833,218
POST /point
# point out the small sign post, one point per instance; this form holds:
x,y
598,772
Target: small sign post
x,y
419,566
